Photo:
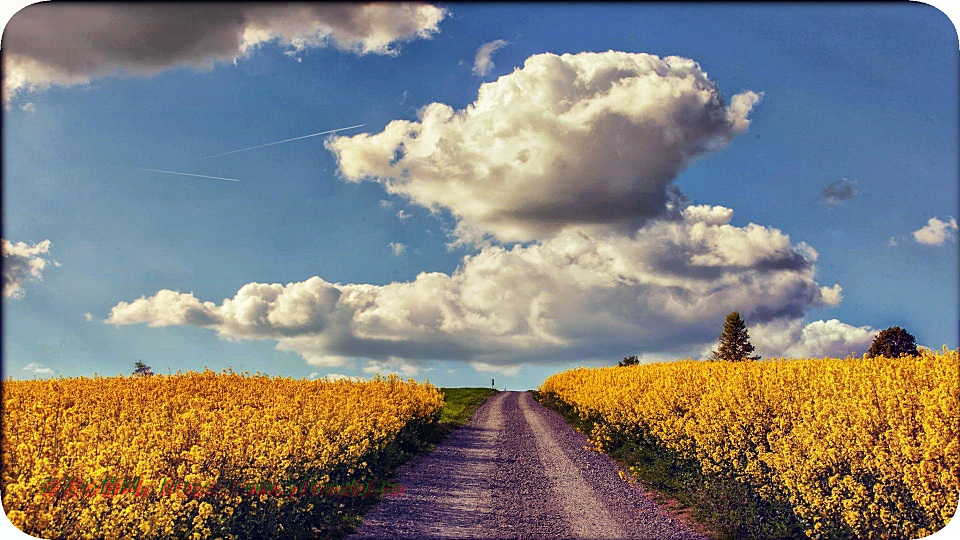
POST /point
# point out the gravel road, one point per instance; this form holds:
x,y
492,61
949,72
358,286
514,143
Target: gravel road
x,y
517,470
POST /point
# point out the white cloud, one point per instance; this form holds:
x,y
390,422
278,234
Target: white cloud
x,y
392,365
576,153
711,215
315,376
507,370
29,107
306,347
38,368
818,339
173,307
666,288
483,63
397,248
590,140
22,262
88,316
936,232
831,296
402,216
339,377
385,203
893,242
65,44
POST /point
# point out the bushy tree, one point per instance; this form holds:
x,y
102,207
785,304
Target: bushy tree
x,y
629,361
142,369
734,342
893,343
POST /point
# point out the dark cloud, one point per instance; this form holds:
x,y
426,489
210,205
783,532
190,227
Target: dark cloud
x,y
840,191
70,43
22,262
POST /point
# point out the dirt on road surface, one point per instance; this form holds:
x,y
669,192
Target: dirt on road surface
x,y
517,470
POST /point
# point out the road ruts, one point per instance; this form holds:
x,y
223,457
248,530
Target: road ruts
x,y
446,494
518,471
583,512
525,505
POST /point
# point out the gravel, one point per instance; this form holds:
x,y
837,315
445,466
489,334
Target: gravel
x,y
517,470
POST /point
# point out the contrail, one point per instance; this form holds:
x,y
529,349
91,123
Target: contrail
x,y
271,144
183,174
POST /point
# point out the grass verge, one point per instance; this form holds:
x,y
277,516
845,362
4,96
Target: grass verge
x,y
460,404
719,508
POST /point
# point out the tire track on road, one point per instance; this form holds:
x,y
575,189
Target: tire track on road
x,y
525,506
585,515
635,515
446,494
517,470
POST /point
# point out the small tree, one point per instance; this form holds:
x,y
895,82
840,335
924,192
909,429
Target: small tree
x,y
734,342
142,369
893,343
629,361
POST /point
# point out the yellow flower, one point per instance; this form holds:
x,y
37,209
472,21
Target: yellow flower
x,y
854,446
198,428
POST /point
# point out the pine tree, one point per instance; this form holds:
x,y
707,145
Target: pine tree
x,y
142,369
893,343
734,342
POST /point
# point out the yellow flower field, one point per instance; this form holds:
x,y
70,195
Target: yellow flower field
x,y
201,428
862,448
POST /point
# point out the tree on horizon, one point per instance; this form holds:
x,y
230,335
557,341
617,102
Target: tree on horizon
x,y
142,369
893,342
734,342
629,361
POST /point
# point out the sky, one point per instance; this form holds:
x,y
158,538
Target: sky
x,y
528,193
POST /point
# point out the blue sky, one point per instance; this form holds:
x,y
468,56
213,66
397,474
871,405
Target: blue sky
x,y
864,93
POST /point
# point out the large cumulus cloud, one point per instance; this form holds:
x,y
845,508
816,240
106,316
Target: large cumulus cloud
x,y
22,262
592,140
666,287
574,156
65,44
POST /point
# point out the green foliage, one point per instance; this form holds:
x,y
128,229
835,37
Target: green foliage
x,y
893,342
629,361
142,369
311,516
734,342
460,403
336,517
728,509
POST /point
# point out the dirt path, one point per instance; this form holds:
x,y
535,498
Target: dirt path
x,y
517,470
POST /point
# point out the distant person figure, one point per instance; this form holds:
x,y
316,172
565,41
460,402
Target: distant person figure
x,y
491,383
